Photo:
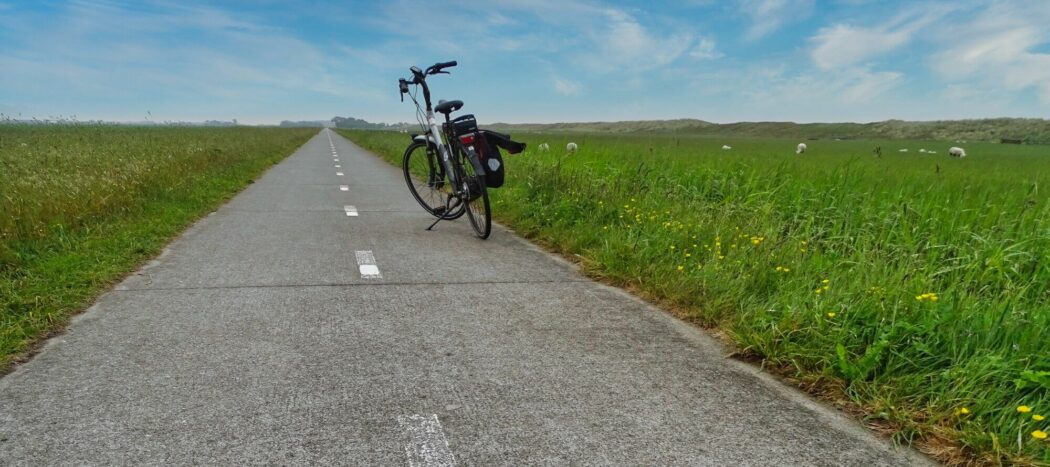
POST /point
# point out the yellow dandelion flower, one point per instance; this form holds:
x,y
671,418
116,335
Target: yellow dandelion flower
x,y
680,268
1039,434
672,247
1038,417
778,269
962,411
825,281
721,257
832,314
1023,409
787,269
688,255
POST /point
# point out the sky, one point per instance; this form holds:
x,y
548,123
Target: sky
x,y
263,61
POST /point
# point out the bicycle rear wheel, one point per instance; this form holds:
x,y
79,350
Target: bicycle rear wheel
x,y
477,197
426,180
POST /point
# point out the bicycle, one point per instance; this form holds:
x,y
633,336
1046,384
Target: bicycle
x,y
441,167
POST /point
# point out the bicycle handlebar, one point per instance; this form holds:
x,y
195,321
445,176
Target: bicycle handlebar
x,y
437,67
420,77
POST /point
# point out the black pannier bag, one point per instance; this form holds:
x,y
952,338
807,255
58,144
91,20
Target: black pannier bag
x,y
488,146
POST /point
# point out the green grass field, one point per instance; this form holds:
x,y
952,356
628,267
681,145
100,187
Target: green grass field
x,y
913,290
82,206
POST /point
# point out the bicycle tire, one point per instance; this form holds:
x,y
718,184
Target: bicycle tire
x,y
479,212
426,180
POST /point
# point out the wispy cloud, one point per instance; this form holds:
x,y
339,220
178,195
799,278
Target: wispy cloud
x,y
767,16
705,49
845,44
1001,47
566,87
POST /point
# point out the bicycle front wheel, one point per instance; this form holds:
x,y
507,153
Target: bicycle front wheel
x,y
476,197
426,180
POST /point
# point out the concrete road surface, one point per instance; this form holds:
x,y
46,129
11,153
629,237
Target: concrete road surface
x,y
312,320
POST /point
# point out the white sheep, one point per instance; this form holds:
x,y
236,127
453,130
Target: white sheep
x,y
922,150
931,152
571,147
801,148
544,147
726,147
956,151
903,150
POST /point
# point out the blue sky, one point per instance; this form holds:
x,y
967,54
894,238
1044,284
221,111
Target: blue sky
x,y
262,61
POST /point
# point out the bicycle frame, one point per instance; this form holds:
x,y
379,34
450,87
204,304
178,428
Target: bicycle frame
x,y
436,135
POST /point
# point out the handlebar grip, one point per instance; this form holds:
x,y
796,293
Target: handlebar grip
x,y
446,64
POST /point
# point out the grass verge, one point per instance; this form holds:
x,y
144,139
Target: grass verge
x,y
83,206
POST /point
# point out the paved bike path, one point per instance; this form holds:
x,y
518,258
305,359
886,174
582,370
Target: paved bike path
x,y
257,337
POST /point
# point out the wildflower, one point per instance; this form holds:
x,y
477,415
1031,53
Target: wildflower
x,y
819,291
778,269
1039,434
1023,409
1038,417
688,255
927,296
721,257
672,247
825,281
680,268
831,314
962,411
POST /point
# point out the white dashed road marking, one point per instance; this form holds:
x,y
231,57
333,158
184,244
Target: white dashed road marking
x,y
366,263
427,445
338,166
339,174
351,211
344,188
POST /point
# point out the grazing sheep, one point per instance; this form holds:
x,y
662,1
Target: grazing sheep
x,y
544,147
726,147
922,150
956,151
801,148
931,152
903,150
571,147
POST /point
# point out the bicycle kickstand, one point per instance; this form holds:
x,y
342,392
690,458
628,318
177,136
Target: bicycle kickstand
x,y
448,208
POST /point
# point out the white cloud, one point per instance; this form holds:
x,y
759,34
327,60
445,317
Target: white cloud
x,y
705,50
1001,47
621,43
844,45
566,87
767,16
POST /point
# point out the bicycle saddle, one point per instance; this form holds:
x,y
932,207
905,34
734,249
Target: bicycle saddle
x,y
447,107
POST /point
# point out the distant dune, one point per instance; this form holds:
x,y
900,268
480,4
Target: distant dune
x,y
1009,130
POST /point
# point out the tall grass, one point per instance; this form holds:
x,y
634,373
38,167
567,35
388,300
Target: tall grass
x,y
82,205
914,287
